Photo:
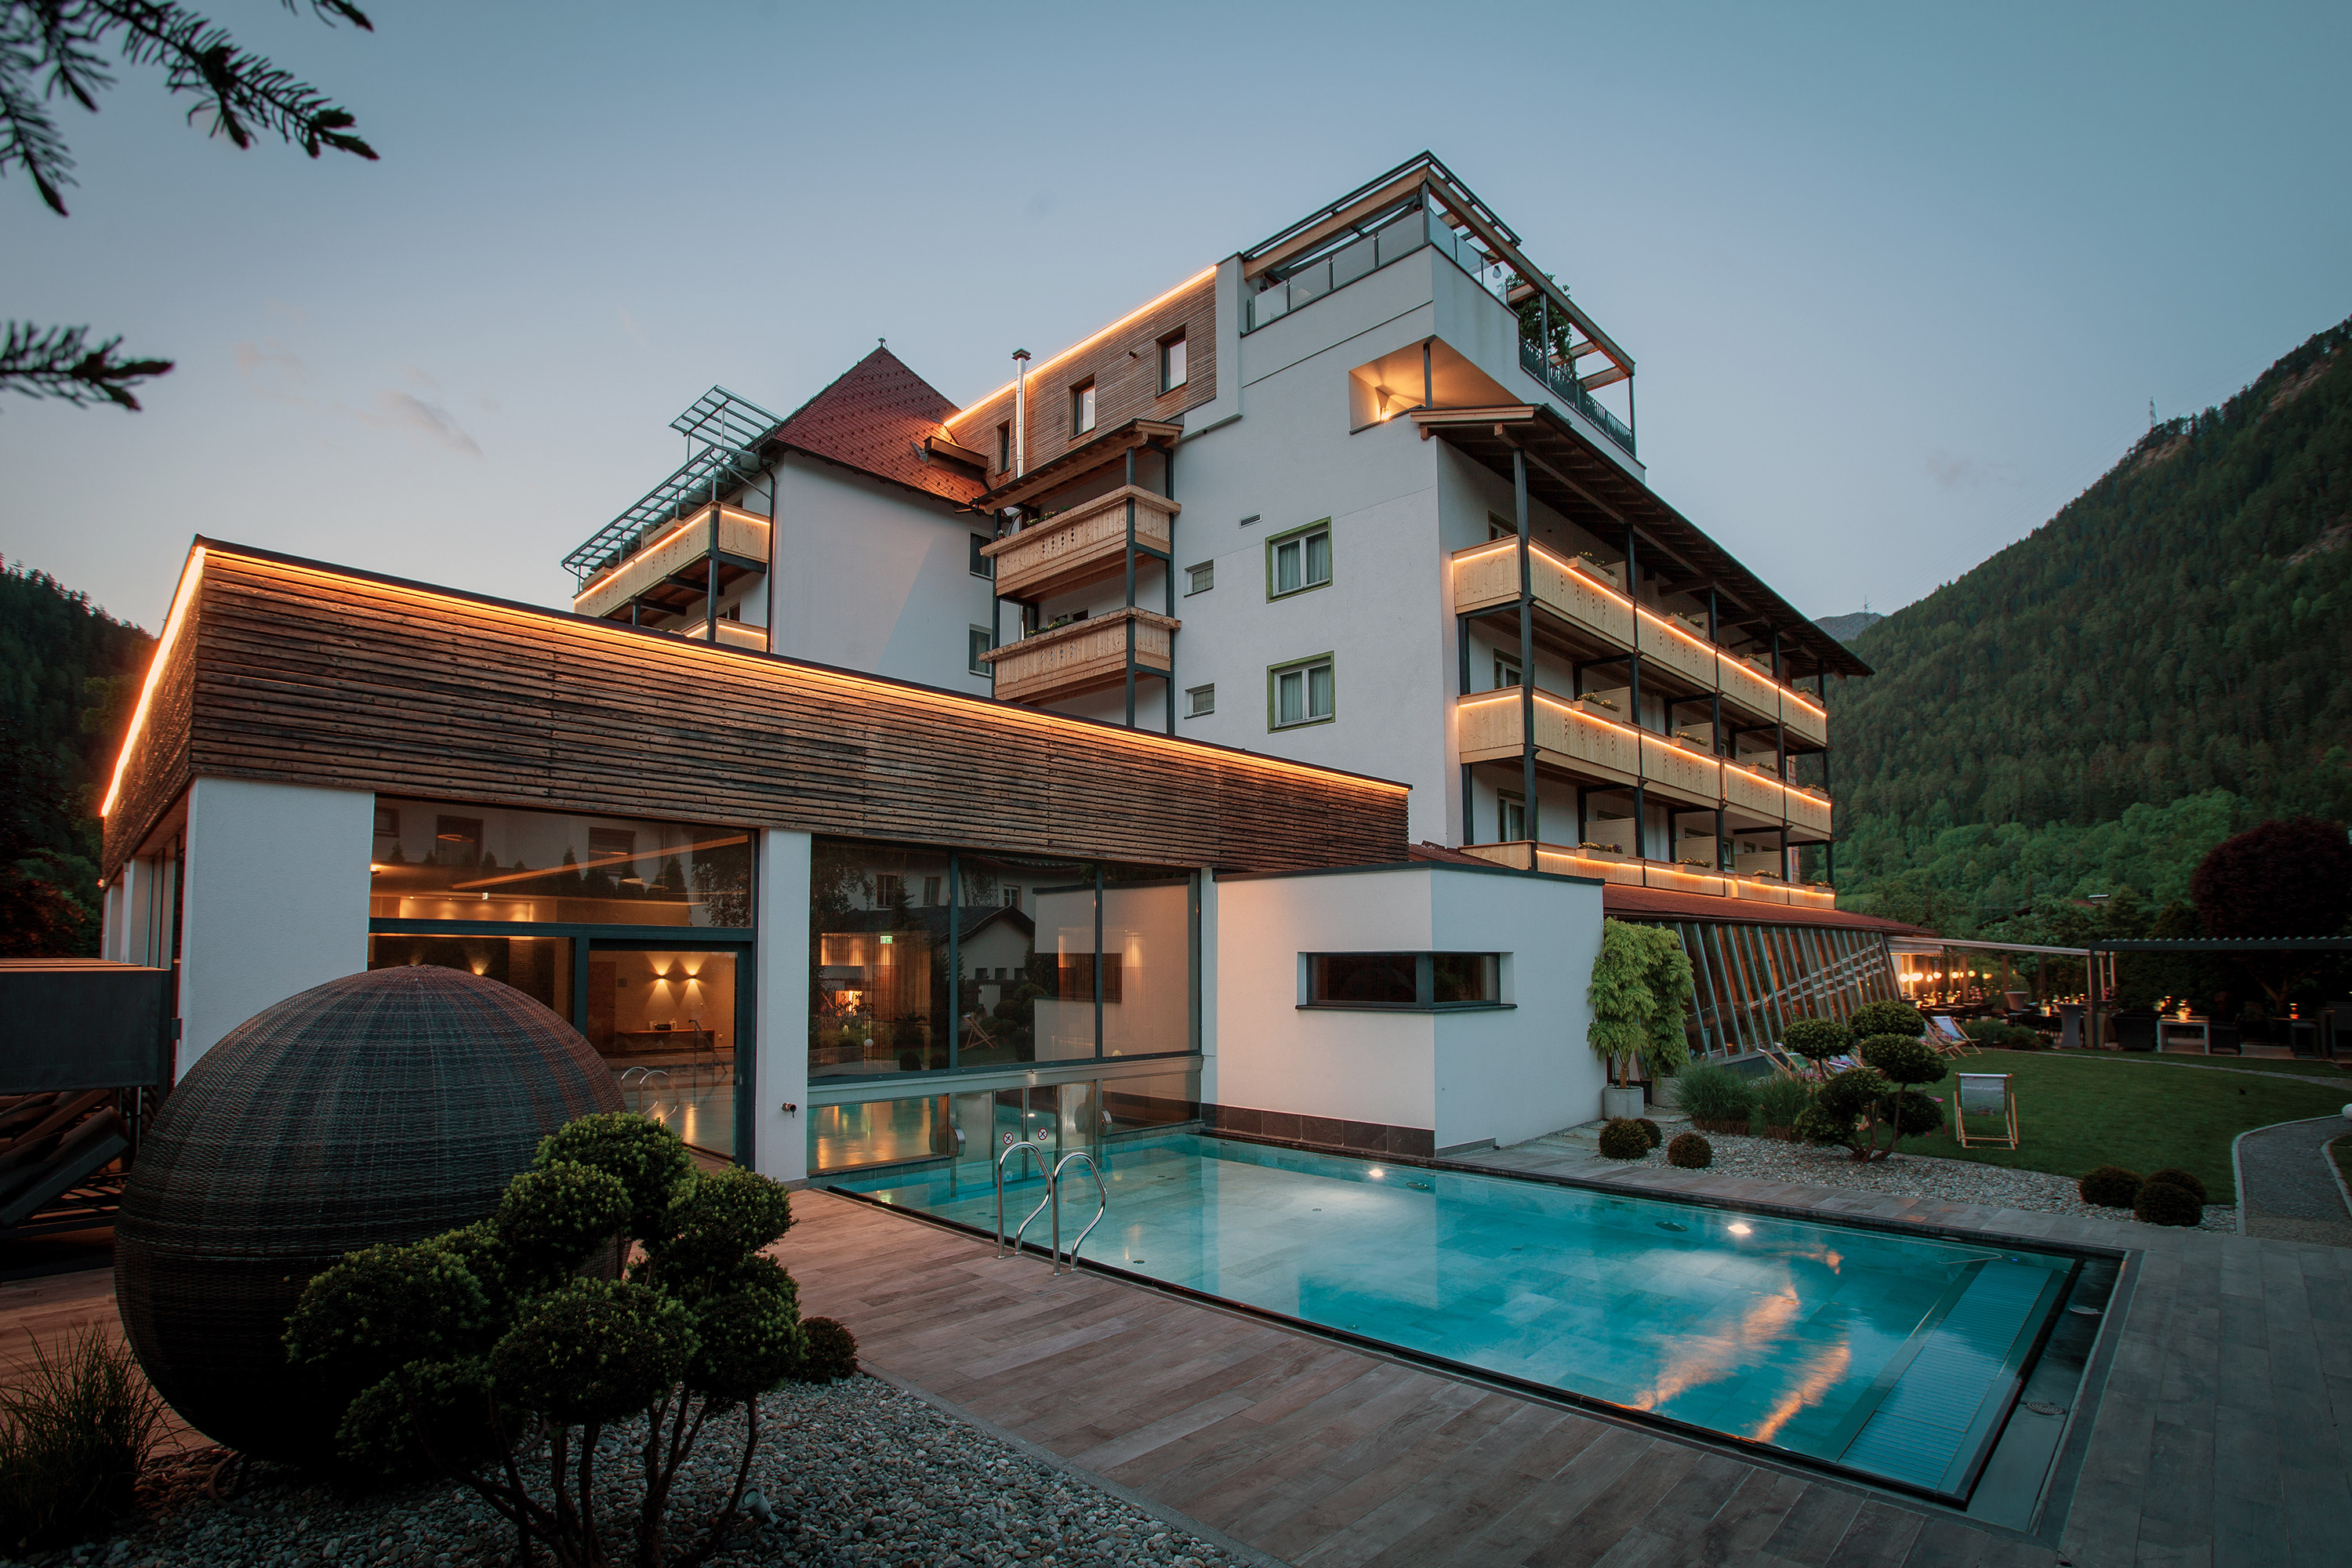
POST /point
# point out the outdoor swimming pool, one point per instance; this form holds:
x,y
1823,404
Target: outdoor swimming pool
x,y
1895,1356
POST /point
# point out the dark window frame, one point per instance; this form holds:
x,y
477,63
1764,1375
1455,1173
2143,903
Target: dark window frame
x,y
1316,968
1175,341
1083,401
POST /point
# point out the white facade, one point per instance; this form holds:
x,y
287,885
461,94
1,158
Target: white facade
x,y
1496,1074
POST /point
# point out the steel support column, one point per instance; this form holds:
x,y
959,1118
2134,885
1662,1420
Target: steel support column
x,y
1633,694
1527,642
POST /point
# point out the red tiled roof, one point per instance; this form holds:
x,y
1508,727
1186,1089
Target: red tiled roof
x,y
874,417
1654,903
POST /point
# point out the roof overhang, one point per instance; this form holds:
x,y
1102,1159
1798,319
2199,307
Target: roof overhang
x,y
1079,461
1571,473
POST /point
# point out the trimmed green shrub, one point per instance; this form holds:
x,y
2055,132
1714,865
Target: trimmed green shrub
x,y
74,1434
2161,1203
1888,1019
1690,1152
1649,1131
454,1349
1778,1103
831,1352
2173,1175
1817,1039
2110,1187
1871,1108
1716,1097
1903,1059
1624,1139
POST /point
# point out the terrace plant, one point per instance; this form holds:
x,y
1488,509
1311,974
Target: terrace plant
x,y
75,1431
1871,1108
1641,984
456,1350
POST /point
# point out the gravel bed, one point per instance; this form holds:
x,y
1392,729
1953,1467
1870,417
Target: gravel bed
x,y
854,1473
1916,1176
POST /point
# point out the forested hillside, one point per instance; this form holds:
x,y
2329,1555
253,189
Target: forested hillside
x,y
68,673
2165,662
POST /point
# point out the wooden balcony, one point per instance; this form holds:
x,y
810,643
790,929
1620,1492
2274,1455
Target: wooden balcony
x,y
1085,544
671,569
1629,871
1586,597
1083,656
1574,739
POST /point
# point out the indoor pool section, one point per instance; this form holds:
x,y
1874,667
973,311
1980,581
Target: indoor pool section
x,y
1894,1357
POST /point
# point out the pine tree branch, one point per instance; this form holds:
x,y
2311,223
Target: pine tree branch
x,y
59,362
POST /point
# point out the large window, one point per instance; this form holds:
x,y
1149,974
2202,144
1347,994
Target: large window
x,y
1299,693
928,961
1411,981
631,930
1298,559
963,1133
432,861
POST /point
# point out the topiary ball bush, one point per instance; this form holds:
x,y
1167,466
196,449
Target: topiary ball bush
x,y
2174,1176
2161,1203
1624,1139
382,1108
1888,1018
1817,1039
831,1352
2110,1187
1690,1152
1649,1131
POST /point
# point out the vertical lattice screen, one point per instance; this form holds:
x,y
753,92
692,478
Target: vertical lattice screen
x,y
1749,981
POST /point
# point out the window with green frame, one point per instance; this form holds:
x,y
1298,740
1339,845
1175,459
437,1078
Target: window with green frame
x,y
1299,693
1299,560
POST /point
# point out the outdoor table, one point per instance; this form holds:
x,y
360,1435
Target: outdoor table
x,y
2201,1027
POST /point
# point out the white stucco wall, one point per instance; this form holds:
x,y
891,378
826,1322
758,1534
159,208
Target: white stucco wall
x,y
780,955
277,900
1504,1075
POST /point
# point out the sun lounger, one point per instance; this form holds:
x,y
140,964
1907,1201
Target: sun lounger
x,y
1982,1094
1944,1032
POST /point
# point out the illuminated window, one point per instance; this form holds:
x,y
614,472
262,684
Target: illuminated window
x,y
1171,363
1299,693
1299,560
1082,408
1200,700
1200,578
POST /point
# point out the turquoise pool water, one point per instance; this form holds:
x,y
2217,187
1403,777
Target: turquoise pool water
x,y
1893,1355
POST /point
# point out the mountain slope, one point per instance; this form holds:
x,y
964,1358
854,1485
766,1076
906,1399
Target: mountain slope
x,y
1850,625
2166,660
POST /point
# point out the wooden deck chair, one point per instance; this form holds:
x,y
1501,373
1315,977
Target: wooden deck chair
x,y
1985,1094
1944,1032
1776,1053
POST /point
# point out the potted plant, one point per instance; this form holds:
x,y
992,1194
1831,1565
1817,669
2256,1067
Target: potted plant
x,y
1641,983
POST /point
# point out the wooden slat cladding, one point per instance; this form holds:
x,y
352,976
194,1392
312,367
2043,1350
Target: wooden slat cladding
x,y
307,675
157,771
1125,365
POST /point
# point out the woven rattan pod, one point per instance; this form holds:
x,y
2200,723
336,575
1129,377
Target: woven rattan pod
x,y
383,1107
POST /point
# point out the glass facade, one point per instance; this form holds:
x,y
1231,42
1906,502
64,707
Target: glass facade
x,y
968,1130
1750,980
928,961
585,914
436,860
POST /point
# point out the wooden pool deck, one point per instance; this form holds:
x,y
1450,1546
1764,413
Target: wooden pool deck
x,y
2219,1436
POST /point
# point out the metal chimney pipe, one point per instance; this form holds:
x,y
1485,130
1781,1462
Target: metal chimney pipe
x,y
1019,411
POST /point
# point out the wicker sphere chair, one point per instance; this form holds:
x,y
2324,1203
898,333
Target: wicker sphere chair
x,y
383,1106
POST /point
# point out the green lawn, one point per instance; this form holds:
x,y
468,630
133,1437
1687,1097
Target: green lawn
x,y
2075,1113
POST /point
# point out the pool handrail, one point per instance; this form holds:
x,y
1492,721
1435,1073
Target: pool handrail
x,y
1044,1170
1102,1206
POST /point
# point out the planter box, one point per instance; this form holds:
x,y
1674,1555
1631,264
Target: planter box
x,y
1624,1102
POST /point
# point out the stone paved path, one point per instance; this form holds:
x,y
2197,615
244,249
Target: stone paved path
x,y
2288,1189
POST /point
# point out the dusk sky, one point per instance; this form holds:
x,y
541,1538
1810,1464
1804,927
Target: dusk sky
x,y
1898,284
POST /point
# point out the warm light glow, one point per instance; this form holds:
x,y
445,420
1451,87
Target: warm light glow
x,y
616,857
1736,1228
597,584
652,648
181,598
1039,368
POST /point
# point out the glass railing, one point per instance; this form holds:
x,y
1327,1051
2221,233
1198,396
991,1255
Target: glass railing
x,y
1562,380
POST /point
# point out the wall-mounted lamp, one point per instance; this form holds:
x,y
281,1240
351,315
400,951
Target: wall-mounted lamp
x,y
790,1110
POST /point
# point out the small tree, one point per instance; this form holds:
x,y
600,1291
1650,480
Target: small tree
x,y
1857,1107
1817,1039
2281,879
453,1348
1641,983
1887,1016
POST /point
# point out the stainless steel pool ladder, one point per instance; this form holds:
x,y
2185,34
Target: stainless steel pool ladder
x,y
1053,1174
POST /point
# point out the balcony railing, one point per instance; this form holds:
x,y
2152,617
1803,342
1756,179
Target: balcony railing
x,y
1082,545
1083,656
742,534
1574,737
1562,380
1666,877
1485,575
